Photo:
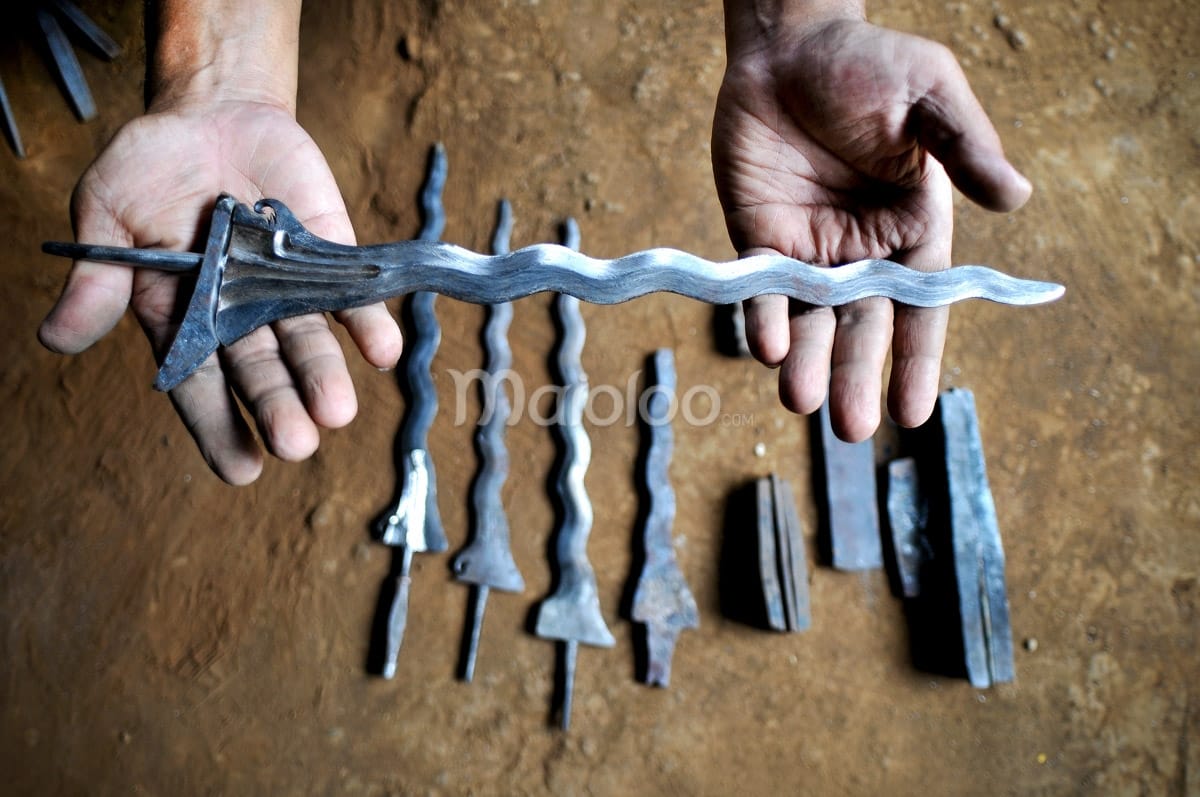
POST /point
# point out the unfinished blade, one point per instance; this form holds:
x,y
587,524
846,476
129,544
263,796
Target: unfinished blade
x,y
662,600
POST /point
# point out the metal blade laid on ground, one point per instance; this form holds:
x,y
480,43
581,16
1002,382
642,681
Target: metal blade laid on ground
x,y
850,513
662,600
908,515
487,562
572,614
413,522
978,550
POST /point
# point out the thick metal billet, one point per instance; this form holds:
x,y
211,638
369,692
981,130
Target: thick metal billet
x,y
850,505
978,550
662,600
768,555
783,566
261,265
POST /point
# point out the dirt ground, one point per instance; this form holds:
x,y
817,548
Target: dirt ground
x,y
166,634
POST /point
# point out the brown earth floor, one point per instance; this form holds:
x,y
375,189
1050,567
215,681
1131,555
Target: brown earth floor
x,y
166,634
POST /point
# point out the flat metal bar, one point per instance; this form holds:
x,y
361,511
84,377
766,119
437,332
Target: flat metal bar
x,y
11,131
978,550
768,557
68,66
852,511
800,613
81,22
783,550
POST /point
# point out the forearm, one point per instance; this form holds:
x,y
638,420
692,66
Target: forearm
x,y
751,22
217,50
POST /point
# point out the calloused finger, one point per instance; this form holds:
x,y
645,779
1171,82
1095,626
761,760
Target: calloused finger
x,y
265,384
917,344
375,332
208,409
860,347
767,328
318,368
804,377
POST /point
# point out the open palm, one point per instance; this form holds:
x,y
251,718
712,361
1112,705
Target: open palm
x,y
154,186
834,144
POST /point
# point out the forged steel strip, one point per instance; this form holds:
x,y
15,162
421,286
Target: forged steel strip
x,y
355,276
852,514
487,561
662,599
68,65
261,265
768,555
978,550
414,524
73,15
793,564
572,612
398,527
11,131
782,563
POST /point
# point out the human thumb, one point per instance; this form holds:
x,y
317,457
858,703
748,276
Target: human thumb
x,y
95,295
949,122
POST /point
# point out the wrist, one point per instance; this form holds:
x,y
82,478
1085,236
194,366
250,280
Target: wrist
x,y
753,24
215,51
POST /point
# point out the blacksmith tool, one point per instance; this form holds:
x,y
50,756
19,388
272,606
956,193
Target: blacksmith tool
x,y
662,600
487,562
261,265
413,523
572,612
